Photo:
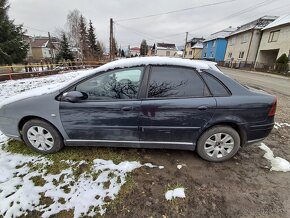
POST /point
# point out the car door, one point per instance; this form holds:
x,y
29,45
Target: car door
x,y
110,112
176,106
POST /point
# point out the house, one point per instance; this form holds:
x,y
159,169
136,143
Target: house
x,y
42,49
135,51
193,48
243,43
165,49
275,42
27,40
214,47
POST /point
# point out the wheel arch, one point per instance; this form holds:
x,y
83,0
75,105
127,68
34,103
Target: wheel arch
x,y
240,130
30,117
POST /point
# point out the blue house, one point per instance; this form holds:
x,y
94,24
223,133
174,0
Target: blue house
x,y
214,47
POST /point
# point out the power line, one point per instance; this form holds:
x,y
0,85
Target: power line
x,y
175,11
253,7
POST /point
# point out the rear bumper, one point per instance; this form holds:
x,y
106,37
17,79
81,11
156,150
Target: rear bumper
x,y
257,133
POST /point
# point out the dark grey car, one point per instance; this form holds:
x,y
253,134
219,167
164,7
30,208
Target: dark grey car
x,y
148,102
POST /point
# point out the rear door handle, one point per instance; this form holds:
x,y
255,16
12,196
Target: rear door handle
x,y
202,108
127,108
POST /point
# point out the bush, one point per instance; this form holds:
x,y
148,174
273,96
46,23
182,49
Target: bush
x,y
283,59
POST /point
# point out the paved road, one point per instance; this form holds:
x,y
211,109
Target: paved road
x,y
276,83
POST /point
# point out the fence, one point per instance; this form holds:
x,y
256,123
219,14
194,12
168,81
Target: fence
x,y
262,67
36,70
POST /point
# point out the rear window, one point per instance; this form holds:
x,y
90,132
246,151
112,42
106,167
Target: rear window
x,y
215,86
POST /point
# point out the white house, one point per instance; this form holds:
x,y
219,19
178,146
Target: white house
x,y
243,44
275,41
165,49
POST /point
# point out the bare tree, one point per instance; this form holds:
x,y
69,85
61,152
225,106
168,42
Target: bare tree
x,y
73,27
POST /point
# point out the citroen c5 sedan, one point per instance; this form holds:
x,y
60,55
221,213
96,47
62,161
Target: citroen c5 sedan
x,y
149,102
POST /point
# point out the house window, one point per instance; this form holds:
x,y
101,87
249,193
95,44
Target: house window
x,y
274,35
185,53
241,55
204,55
245,38
230,54
190,52
214,43
167,53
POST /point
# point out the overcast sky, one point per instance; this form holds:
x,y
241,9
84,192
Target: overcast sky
x,y
41,16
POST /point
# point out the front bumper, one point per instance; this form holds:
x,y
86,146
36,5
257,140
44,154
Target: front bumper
x,y
9,127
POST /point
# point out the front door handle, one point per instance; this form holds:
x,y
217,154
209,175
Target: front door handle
x,y
202,108
127,108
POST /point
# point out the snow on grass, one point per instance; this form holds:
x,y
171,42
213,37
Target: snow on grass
x,y
24,187
277,163
281,125
175,193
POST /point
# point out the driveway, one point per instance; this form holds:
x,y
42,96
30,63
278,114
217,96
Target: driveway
x,y
276,83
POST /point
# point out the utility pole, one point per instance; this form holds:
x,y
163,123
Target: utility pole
x,y
186,35
129,51
50,47
111,39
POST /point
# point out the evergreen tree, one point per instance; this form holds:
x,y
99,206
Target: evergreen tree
x,y
64,52
84,42
143,48
95,46
13,49
114,48
122,53
100,50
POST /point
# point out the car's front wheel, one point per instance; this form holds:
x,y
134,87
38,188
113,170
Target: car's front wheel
x,y
41,136
219,143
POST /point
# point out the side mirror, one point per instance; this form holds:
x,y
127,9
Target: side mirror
x,y
74,96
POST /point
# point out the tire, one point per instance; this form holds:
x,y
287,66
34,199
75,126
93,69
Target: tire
x,y
42,137
219,143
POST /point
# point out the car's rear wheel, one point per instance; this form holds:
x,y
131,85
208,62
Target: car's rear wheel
x,y
219,143
41,136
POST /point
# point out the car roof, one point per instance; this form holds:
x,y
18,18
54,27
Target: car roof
x,y
138,61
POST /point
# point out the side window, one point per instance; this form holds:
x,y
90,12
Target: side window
x,y
117,84
171,82
215,85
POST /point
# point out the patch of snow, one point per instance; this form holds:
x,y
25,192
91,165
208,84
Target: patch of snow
x,y
277,163
138,61
85,194
152,166
281,125
15,90
179,166
175,193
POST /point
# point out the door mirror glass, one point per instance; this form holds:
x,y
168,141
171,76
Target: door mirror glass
x,y
74,96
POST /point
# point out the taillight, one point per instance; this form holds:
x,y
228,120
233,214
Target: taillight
x,y
273,108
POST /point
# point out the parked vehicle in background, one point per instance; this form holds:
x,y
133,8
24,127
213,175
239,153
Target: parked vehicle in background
x,y
149,102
